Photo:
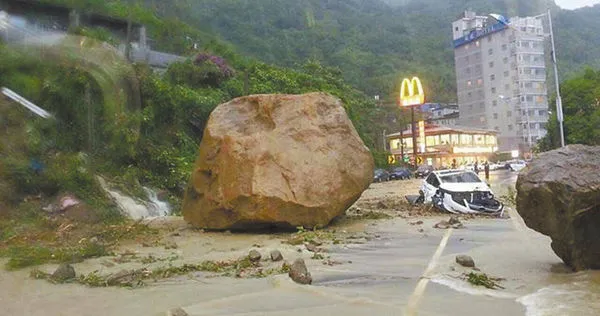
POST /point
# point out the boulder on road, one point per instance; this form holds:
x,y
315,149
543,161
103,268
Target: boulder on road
x,y
64,272
558,195
465,261
278,161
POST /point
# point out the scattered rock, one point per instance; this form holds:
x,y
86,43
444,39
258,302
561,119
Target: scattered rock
x,y
465,261
311,247
67,201
421,230
162,195
254,255
107,264
299,273
276,255
177,312
252,171
315,242
454,220
382,205
175,234
123,277
442,225
64,272
170,244
476,269
458,226
557,195
416,223
146,244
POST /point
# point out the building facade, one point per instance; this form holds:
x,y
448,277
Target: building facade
x,y
501,78
440,146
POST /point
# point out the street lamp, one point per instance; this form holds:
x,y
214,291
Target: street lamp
x,y
559,111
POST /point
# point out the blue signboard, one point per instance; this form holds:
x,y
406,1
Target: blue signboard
x,y
476,34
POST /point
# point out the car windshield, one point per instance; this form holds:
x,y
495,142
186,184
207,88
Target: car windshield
x,y
463,177
424,168
399,169
379,172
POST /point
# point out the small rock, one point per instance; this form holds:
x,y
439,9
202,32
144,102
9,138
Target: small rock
x,y
377,236
107,264
64,272
254,255
454,220
94,240
458,226
476,269
299,273
315,242
452,269
162,195
146,244
177,312
417,223
175,234
465,261
227,232
169,244
310,247
421,230
442,225
299,250
276,255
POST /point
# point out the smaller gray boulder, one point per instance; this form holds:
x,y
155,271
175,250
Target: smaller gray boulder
x,y
276,255
465,261
254,255
64,272
299,273
177,312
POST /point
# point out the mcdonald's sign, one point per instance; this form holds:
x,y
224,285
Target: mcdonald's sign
x,y
411,92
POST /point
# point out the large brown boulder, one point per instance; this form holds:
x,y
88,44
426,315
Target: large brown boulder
x,y
277,161
558,195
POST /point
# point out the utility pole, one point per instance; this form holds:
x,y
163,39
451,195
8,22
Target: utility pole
x,y
559,110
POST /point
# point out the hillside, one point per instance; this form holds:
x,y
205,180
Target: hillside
x,y
372,42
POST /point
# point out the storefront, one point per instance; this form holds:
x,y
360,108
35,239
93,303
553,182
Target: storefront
x,y
439,146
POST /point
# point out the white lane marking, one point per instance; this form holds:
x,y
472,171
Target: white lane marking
x,y
415,298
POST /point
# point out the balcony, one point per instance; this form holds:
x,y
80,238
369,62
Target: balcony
x,y
532,77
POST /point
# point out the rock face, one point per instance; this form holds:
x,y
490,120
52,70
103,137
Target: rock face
x,y
558,195
277,161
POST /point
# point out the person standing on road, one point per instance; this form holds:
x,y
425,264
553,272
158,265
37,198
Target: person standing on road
x,y
476,167
487,170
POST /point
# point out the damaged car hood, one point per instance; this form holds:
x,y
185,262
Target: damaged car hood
x,y
465,187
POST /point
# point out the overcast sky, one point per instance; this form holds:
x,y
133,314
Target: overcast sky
x,y
574,4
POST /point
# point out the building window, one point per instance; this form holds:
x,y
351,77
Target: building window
x,y
482,105
493,90
507,87
505,60
469,83
504,47
454,139
490,139
509,114
491,64
506,73
495,116
497,128
468,70
456,28
510,127
479,139
490,51
445,139
494,103
466,139
469,95
492,77
479,81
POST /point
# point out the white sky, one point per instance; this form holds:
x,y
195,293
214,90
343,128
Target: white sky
x,y
574,4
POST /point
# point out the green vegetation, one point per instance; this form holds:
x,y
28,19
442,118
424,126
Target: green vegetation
x,y
242,267
482,279
581,108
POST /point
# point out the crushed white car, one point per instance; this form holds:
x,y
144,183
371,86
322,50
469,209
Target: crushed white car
x,y
459,191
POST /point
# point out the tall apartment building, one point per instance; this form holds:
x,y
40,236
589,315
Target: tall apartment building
x,y
501,78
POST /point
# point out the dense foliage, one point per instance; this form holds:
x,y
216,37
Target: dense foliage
x,y
581,108
372,43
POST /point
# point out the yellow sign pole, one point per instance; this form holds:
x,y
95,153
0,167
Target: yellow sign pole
x,y
411,95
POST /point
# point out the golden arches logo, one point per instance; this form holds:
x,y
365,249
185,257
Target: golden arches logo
x,y
411,92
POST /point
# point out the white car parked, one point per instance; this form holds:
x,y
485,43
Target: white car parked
x,y
459,191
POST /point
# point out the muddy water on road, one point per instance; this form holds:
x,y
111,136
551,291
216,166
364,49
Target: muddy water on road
x,y
375,278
